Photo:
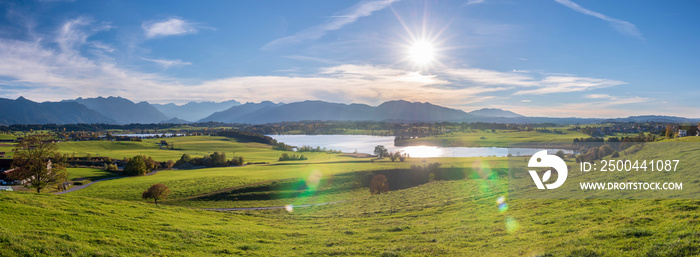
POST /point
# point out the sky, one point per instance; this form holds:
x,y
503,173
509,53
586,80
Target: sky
x,y
555,58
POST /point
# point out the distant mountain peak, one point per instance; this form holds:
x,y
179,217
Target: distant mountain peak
x,y
123,110
495,112
192,111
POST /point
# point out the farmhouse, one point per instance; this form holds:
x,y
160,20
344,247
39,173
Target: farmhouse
x,y
684,131
5,169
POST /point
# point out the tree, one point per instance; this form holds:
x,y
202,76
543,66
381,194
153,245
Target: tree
x,y
381,151
560,153
669,131
156,192
169,164
136,166
151,164
184,159
605,150
378,185
218,159
37,161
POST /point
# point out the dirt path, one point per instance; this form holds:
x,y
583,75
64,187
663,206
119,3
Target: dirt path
x,y
76,188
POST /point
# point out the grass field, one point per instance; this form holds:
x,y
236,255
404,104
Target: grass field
x,y
195,146
501,138
90,174
419,221
453,218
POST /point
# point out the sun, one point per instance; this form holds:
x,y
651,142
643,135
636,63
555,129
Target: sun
x,y
421,52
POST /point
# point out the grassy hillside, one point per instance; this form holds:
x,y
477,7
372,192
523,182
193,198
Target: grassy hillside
x,y
90,174
195,146
463,217
456,218
501,138
187,183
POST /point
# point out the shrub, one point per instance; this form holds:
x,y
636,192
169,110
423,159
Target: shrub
x,y
111,167
378,185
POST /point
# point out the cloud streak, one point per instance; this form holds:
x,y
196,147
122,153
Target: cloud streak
x,y
527,83
351,15
611,107
167,63
624,27
171,27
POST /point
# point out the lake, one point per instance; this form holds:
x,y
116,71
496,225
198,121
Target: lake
x,y
366,144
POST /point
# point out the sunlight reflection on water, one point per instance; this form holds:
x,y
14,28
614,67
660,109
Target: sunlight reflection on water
x,y
366,144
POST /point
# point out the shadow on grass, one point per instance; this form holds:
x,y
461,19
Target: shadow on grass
x,y
297,188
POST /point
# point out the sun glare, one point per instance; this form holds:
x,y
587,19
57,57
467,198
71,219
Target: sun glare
x,y
421,52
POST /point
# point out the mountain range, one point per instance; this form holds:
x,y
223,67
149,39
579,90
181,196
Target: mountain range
x,y
23,111
117,110
194,111
122,110
267,112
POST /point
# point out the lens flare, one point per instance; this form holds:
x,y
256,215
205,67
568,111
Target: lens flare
x,y
511,225
501,200
313,180
502,206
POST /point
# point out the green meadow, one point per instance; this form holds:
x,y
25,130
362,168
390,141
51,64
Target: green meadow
x,y
454,218
89,174
458,217
499,138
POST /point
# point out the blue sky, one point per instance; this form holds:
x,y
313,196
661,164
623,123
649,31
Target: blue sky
x,y
556,58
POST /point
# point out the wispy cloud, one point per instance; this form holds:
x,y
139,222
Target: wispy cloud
x,y
170,27
548,84
167,63
598,96
471,2
624,27
75,32
311,59
603,108
568,84
351,15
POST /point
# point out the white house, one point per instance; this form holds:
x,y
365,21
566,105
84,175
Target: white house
x,y
682,133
